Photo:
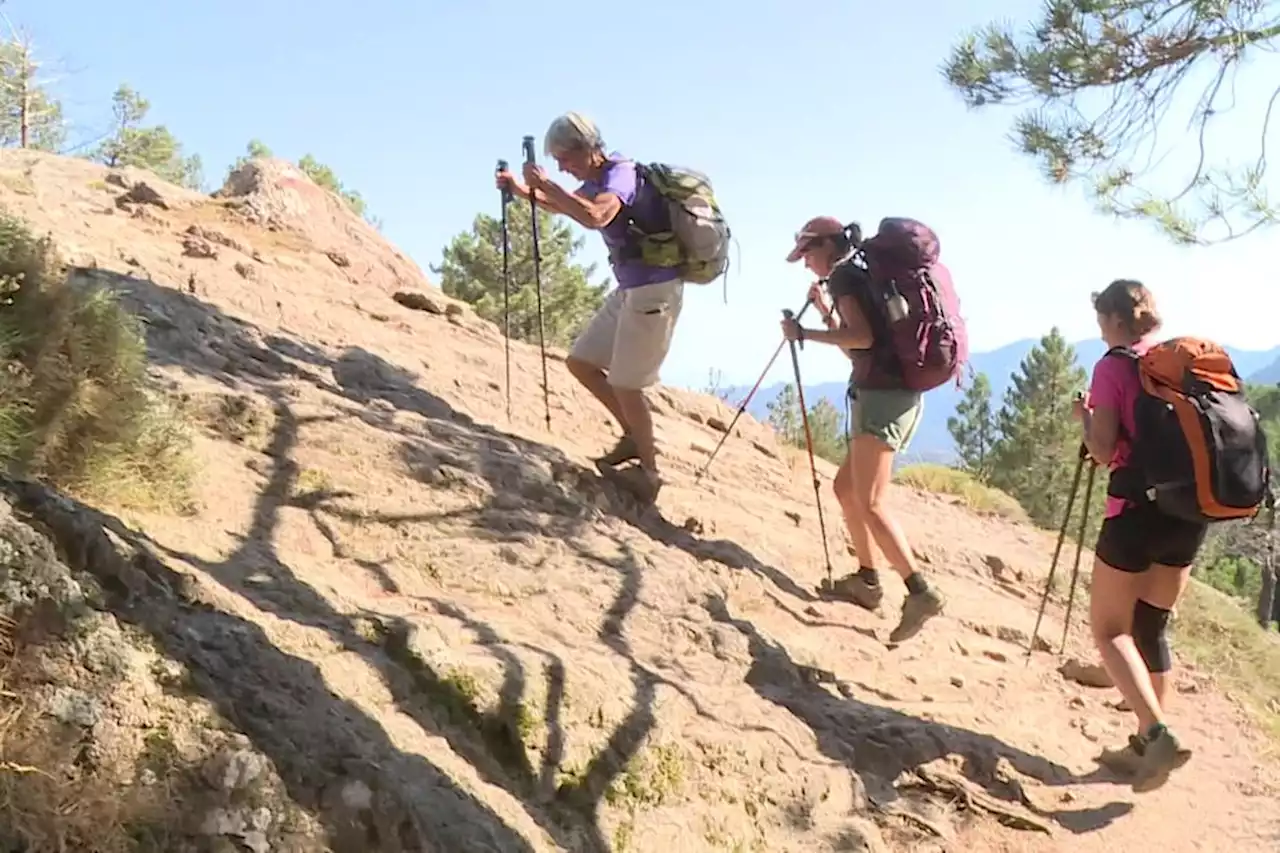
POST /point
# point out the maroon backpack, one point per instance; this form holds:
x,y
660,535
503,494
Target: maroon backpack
x,y
919,314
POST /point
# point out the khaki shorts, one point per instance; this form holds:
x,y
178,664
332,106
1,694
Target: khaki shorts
x,y
631,333
891,416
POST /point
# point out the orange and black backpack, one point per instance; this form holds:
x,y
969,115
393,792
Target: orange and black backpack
x,y
1199,451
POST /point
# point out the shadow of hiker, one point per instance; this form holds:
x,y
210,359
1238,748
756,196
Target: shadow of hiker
x,y
879,744
726,553
533,488
333,759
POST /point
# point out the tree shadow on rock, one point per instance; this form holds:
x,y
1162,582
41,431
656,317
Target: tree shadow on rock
x,y
333,759
436,700
494,741
880,744
185,332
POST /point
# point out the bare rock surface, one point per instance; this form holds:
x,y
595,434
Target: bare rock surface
x,y
398,622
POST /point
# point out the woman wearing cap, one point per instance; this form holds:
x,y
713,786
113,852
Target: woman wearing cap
x,y
882,425
620,352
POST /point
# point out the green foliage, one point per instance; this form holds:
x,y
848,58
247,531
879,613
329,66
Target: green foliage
x,y
784,416
471,270
323,176
22,97
1103,78
1233,575
973,428
1219,637
1265,399
153,148
1036,453
973,493
76,407
824,425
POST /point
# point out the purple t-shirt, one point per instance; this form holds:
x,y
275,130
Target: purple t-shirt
x,y
643,205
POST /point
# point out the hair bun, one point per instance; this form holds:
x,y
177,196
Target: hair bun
x,y
853,232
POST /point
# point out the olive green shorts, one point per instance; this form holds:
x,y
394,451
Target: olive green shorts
x,y
891,416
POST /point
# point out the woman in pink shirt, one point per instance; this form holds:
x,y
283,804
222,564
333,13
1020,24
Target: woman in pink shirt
x,y
1142,557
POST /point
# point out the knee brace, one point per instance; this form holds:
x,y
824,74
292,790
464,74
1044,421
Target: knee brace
x,y
1149,623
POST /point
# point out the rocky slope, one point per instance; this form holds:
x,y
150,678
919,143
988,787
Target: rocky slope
x,y
397,622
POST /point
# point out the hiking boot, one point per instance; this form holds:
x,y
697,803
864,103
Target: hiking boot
x,y
642,483
1161,755
624,451
917,609
855,588
1126,760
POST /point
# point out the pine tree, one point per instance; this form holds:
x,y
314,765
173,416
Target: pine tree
x,y
784,416
1100,81
824,425
30,117
1039,440
323,176
471,270
154,148
973,428
828,434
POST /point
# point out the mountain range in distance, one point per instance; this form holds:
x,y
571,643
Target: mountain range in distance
x,y
933,442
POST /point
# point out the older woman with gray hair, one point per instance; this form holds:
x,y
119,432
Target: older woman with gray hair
x,y
621,351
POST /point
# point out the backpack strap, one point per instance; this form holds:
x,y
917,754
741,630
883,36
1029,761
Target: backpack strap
x,y
1127,482
1123,351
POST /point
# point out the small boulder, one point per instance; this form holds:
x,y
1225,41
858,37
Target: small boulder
x,y
1088,674
198,247
418,301
143,193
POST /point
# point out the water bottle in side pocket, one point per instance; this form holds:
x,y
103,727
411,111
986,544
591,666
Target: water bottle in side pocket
x,y
896,304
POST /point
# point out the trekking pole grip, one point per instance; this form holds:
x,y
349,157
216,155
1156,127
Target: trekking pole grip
x,y
506,188
791,315
528,150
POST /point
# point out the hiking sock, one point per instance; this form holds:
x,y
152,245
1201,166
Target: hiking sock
x,y
869,576
1154,732
916,583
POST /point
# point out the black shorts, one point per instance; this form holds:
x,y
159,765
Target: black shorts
x,y
1142,536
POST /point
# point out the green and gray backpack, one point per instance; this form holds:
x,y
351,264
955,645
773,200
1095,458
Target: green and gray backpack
x,y
698,243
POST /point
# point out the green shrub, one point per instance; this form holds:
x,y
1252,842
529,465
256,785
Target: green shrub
x,y
977,496
1221,637
76,406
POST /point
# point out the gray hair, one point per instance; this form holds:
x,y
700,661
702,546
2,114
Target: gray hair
x,y
572,132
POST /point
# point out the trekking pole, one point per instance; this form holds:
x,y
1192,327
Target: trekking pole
x,y
1075,569
506,284
808,440
1057,551
742,407
537,282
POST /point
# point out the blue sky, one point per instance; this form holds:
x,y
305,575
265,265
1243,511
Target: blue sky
x,y
793,110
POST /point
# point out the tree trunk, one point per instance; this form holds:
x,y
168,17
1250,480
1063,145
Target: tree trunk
x,y
1268,601
26,76
25,116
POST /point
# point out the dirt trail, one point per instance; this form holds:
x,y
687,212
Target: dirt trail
x,y
388,587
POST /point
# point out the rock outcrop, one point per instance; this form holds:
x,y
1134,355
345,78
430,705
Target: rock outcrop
x,y
397,621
